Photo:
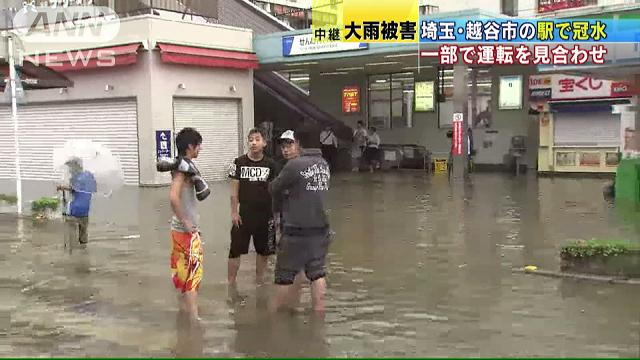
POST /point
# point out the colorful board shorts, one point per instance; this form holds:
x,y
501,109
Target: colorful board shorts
x,y
186,261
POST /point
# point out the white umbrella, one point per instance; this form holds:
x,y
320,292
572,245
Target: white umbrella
x,y
94,158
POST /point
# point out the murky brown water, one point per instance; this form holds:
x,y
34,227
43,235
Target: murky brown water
x,y
417,268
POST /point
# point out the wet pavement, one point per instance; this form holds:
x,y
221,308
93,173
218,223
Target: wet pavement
x,y
417,268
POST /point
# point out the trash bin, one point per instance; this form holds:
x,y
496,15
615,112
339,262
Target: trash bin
x,y
391,156
413,157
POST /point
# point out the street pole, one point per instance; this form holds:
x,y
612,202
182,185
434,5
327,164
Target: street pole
x,y
460,105
14,119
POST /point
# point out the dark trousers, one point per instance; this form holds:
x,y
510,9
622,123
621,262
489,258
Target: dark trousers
x,y
329,153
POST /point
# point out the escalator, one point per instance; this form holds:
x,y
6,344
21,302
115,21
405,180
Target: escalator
x,y
289,106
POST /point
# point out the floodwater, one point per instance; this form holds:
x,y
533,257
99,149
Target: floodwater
x,y
418,267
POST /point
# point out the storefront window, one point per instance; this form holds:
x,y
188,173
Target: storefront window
x,y
391,100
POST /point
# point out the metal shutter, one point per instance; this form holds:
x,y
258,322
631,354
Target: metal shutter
x,y
586,129
7,150
218,121
44,127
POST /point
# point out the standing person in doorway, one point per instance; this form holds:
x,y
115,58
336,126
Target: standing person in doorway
x,y
187,253
251,207
371,153
360,143
305,227
329,144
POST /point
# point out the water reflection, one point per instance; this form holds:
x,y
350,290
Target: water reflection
x,y
418,267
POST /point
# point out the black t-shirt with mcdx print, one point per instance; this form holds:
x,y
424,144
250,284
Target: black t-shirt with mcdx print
x,y
254,177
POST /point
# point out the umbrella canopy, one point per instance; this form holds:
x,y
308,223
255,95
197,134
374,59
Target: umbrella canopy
x,y
89,167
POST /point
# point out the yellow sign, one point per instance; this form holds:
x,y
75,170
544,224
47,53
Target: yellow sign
x,y
365,20
424,96
441,166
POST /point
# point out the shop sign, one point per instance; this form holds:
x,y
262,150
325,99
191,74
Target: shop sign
x,y
306,44
579,87
621,89
539,94
163,144
350,99
457,134
424,96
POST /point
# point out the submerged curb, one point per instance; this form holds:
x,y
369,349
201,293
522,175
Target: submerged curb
x,y
558,274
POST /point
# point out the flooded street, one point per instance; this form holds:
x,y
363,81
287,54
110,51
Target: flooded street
x,y
418,268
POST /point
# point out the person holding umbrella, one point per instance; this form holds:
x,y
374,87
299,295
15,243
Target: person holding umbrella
x,y
82,185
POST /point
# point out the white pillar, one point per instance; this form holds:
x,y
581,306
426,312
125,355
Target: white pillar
x,y
14,119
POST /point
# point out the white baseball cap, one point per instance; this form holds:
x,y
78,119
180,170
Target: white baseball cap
x,y
288,135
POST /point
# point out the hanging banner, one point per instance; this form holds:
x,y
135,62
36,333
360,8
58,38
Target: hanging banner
x,y
350,99
424,96
457,134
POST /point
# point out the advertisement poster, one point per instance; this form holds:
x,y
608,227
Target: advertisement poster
x,y
351,99
424,93
564,158
590,159
510,92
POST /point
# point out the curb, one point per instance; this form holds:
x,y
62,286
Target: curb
x,y
557,274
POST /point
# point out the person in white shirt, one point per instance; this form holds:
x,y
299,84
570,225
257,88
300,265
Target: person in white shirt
x,y
329,146
360,143
372,154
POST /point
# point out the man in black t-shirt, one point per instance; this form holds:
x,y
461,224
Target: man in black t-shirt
x,y
251,207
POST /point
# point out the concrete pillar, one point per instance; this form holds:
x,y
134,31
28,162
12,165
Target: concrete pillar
x,y
460,105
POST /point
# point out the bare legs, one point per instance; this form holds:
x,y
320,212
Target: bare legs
x,y
289,295
188,304
232,270
261,268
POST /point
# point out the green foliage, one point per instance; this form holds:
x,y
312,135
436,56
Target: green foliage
x,y
9,199
596,247
44,203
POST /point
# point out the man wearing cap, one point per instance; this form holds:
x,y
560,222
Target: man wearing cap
x,y
299,192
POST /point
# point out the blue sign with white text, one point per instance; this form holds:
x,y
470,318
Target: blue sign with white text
x,y
163,144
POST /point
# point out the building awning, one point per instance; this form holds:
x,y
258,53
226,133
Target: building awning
x,y
189,55
75,60
35,77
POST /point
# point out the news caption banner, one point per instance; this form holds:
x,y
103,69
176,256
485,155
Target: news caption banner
x,y
506,41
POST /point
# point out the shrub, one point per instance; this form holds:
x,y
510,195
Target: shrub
x,y
44,203
9,199
596,247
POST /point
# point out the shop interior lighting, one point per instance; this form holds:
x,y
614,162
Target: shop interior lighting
x,y
400,55
303,63
351,68
334,73
383,63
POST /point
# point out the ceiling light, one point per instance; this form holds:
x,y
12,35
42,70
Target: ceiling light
x,y
400,55
303,63
381,81
383,63
417,67
351,68
334,73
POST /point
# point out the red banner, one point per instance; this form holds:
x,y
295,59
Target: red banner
x,y
351,99
457,138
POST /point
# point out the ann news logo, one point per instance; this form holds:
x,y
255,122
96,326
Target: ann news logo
x,y
65,21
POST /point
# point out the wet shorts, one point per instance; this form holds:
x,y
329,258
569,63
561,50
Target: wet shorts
x,y
298,252
186,261
260,228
